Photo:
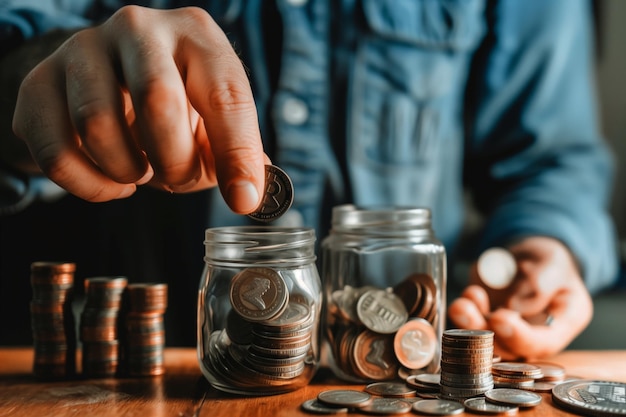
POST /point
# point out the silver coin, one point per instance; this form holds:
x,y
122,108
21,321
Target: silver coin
x,y
512,396
317,407
591,397
481,406
390,389
258,294
278,195
386,406
436,407
381,311
345,398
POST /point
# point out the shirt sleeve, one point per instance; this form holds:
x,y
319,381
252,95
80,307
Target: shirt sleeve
x,y
19,21
535,158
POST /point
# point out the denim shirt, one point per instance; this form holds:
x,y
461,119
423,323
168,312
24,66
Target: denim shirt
x,y
412,102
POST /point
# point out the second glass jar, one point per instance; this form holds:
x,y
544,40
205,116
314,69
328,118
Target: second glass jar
x,y
384,275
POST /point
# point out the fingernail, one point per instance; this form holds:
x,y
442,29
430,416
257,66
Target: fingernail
x,y
126,192
503,330
461,320
244,195
181,188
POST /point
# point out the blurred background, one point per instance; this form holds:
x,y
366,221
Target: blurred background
x,y
608,328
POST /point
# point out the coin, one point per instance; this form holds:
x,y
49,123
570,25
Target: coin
x,y
415,343
518,369
373,356
258,294
512,396
381,311
278,195
390,389
480,405
317,407
345,398
436,407
591,397
496,267
386,406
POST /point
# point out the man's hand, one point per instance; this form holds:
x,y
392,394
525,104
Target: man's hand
x,y
154,96
544,309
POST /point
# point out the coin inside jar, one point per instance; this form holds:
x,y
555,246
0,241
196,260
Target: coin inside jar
x,y
278,195
415,343
258,294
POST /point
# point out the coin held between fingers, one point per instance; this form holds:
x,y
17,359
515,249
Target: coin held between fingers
x,y
277,197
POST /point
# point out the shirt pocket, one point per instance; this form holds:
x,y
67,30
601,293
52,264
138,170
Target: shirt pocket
x,y
408,78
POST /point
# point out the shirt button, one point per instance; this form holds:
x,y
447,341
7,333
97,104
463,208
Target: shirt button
x,y
297,3
295,111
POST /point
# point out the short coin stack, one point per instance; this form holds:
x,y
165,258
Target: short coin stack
x,y
144,337
99,326
515,375
52,320
466,363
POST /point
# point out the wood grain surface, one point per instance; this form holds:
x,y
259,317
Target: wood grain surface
x,y
184,392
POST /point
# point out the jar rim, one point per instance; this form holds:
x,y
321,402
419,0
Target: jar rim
x,y
351,217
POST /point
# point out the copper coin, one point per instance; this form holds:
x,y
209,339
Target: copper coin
x,y
278,195
517,369
258,294
374,357
415,343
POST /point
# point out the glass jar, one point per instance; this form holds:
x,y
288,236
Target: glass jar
x,y
259,306
384,275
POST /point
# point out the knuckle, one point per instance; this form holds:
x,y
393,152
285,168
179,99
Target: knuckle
x,y
231,96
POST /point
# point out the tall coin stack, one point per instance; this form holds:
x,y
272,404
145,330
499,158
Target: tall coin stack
x,y
99,326
466,363
144,329
52,320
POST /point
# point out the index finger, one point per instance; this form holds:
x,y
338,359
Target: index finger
x,y
218,88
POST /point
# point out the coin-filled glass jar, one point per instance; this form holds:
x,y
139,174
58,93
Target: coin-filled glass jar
x,y
259,306
384,275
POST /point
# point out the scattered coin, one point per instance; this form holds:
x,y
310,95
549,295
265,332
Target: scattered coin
x,y
479,405
436,407
390,389
278,195
317,407
591,397
512,396
496,267
345,398
386,406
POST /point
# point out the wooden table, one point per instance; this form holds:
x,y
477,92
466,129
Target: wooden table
x,y
183,391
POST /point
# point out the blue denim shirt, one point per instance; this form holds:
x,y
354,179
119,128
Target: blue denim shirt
x,y
412,102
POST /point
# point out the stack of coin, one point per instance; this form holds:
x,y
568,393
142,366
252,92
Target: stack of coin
x,y
269,335
144,337
378,334
52,319
466,363
99,325
515,375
